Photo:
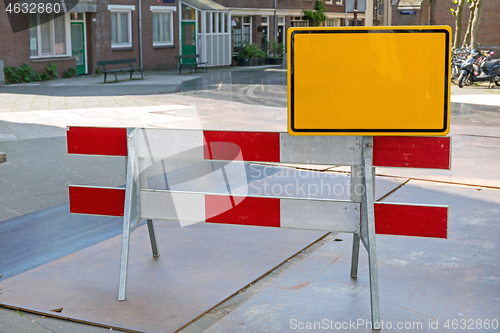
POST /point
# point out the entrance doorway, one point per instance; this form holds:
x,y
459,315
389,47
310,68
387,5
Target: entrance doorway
x,y
78,42
188,40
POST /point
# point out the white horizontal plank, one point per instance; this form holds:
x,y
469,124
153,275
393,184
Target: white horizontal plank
x,y
173,206
320,215
329,150
156,144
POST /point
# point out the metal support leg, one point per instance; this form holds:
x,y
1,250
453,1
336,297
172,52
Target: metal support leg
x,y
357,189
132,209
152,237
355,256
367,205
122,287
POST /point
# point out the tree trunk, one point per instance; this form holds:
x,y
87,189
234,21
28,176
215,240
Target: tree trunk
x,y
467,36
458,23
475,23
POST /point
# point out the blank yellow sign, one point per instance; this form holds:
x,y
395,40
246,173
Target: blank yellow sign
x,y
369,80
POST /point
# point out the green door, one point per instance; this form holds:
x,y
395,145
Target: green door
x,y
188,41
78,46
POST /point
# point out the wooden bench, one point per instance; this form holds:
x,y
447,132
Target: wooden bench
x,y
119,62
194,64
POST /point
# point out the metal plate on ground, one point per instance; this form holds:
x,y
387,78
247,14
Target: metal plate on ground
x,y
199,267
40,237
424,283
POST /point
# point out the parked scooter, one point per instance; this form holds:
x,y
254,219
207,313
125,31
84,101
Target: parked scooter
x,y
458,57
479,68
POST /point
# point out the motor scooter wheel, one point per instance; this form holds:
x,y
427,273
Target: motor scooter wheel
x,y
461,79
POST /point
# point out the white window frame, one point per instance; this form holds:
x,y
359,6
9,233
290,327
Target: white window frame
x,y
329,2
335,20
266,24
249,24
282,24
339,2
298,19
67,33
162,10
115,9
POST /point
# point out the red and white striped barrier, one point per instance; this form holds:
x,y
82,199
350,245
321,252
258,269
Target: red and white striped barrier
x,y
396,219
390,218
397,151
159,152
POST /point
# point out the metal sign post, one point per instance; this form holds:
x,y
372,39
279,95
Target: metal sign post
x,y
364,178
411,96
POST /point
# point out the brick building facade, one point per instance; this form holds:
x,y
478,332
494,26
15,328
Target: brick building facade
x,y
214,29
96,30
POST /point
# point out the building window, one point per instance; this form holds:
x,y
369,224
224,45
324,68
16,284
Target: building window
x,y
381,7
188,13
226,25
198,22
351,22
332,23
163,25
121,25
221,22
339,2
241,31
214,22
328,2
299,22
48,35
162,29
120,29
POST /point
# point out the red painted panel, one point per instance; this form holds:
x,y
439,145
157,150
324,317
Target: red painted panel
x,y
97,141
408,220
254,146
96,201
263,212
412,152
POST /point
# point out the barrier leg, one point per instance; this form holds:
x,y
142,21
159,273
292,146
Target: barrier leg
x,y
122,287
152,238
355,255
357,189
131,214
367,205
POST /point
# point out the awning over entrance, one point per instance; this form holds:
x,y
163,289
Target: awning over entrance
x,y
410,4
205,29
205,5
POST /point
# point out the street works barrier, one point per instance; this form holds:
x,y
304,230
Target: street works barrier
x,y
156,190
